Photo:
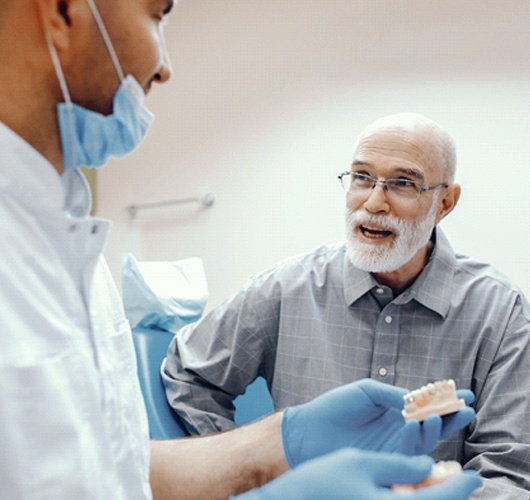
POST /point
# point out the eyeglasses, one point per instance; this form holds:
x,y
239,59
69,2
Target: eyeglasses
x,y
355,181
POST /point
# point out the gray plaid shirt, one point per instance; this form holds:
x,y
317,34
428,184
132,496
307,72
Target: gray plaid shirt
x,y
314,322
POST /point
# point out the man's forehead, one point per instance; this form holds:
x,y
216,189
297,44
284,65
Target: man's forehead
x,y
398,149
397,139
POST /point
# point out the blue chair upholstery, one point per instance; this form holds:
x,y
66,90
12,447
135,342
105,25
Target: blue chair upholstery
x,y
255,403
151,347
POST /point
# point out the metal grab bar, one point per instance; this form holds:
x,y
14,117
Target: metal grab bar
x,y
207,200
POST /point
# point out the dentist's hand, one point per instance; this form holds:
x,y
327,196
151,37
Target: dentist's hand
x,y
366,415
357,475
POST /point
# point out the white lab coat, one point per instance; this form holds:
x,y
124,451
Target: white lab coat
x,y
72,421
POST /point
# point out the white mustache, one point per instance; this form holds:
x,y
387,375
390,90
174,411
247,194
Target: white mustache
x,y
384,222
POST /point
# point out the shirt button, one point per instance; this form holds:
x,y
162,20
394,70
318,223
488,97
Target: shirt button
x,y
94,229
383,372
72,228
388,319
380,291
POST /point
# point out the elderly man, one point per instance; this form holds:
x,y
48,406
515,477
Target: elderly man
x,y
72,423
394,303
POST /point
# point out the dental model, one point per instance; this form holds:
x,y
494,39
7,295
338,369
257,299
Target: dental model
x,y
441,472
438,398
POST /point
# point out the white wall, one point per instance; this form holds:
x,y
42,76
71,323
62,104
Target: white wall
x,y
263,108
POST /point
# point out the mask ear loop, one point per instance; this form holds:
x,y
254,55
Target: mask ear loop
x,y
66,94
106,38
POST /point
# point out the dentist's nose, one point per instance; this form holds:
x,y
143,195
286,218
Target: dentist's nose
x,y
164,72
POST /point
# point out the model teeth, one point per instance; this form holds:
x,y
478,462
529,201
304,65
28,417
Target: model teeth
x,y
441,472
434,398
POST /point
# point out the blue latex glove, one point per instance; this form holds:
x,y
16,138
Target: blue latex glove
x,y
367,415
361,475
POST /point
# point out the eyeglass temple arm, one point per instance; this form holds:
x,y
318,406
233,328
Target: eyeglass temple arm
x,y
443,184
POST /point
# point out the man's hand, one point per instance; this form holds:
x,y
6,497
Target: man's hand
x,y
360,475
366,415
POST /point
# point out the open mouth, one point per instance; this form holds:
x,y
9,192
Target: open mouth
x,y
374,232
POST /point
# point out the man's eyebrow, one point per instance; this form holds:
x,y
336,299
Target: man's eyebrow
x,y
360,163
412,172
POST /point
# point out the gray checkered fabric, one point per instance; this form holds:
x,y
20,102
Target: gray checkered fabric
x,y
314,322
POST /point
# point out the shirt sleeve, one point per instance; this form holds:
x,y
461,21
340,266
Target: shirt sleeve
x,y
499,443
211,362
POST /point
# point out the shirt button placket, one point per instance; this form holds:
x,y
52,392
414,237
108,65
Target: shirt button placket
x,y
385,346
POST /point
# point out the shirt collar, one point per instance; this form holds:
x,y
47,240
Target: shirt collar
x,y
432,288
77,196
356,282
25,174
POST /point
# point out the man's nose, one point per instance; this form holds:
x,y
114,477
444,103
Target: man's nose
x,y
377,199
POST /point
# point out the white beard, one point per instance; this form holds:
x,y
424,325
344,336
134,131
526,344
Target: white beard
x,y
409,238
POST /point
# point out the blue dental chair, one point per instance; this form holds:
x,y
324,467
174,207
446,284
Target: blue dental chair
x,y
151,347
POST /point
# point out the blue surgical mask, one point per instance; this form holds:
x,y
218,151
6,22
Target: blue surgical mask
x,y
89,138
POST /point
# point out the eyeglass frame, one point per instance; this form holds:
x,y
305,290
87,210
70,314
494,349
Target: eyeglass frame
x,y
384,182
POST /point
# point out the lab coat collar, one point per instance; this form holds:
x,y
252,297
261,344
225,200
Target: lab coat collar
x,y
30,178
27,175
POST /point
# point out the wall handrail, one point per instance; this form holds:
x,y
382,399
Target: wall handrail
x,y
207,200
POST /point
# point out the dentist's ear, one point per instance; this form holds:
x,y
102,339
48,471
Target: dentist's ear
x,y
56,18
448,201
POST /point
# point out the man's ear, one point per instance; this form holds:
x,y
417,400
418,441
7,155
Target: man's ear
x,y
448,202
56,20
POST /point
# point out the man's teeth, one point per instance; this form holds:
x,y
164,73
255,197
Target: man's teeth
x,y
375,233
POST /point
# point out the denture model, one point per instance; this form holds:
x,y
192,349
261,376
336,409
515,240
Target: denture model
x,y
440,472
438,398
